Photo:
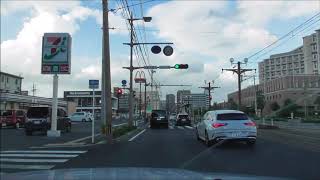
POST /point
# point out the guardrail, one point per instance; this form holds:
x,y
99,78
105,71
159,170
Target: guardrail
x,y
296,125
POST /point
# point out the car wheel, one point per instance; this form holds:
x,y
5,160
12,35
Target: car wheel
x,y
28,132
207,141
251,142
197,134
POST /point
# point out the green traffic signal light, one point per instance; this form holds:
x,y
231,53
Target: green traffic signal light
x,y
181,66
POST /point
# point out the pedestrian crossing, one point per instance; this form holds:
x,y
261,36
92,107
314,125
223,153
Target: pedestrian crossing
x,y
18,160
172,127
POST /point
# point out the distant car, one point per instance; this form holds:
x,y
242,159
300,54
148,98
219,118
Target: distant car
x,y
183,119
172,117
13,118
39,119
226,125
81,117
159,118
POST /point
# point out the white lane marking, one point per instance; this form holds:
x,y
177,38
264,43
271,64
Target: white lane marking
x,y
11,166
116,125
40,151
189,127
137,135
81,139
39,155
179,127
33,160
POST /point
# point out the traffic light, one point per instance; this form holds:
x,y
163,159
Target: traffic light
x,y
119,92
181,66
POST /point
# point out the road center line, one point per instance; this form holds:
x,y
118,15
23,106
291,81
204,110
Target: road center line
x,y
137,135
38,155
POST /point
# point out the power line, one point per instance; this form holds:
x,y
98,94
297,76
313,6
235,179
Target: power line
x,y
123,7
298,27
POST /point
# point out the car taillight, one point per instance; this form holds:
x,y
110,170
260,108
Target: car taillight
x,y
250,124
217,125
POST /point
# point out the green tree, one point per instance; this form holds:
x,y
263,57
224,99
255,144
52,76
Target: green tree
x,y
274,106
260,100
288,107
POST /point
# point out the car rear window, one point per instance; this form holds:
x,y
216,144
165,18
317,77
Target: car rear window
x,y
232,116
183,116
38,112
158,113
7,113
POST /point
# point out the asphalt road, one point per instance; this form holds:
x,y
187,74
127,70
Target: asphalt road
x,y
279,153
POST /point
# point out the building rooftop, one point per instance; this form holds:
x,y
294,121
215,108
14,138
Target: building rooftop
x,y
12,75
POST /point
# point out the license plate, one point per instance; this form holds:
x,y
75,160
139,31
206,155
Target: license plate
x,y
238,134
36,122
159,119
4,124
183,120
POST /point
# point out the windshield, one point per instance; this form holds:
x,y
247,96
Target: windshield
x,y
213,86
232,116
38,112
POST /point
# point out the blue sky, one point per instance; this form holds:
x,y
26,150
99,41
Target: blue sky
x,y
238,29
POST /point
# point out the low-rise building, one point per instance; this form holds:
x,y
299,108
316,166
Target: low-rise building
x,y
10,83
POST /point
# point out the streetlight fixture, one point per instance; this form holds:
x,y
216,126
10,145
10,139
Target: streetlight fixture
x,y
147,19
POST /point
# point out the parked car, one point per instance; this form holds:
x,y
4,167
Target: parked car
x,y
13,118
81,116
226,125
39,119
183,119
158,118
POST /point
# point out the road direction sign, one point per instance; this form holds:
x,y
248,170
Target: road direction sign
x,y
93,84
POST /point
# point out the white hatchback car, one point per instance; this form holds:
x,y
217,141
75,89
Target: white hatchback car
x,y
81,116
226,125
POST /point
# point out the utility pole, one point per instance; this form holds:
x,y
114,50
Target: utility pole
x,y
106,77
255,92
209,88
145,100
239,71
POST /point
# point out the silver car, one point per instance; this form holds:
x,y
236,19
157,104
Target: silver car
x,y
226,125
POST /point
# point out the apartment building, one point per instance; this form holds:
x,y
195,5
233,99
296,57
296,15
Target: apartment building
x,y
302,60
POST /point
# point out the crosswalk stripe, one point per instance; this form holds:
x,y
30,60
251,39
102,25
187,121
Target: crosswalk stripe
x,y
37,167
33,160
41,151
39,155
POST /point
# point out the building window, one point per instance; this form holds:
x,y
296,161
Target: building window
x,y
314,47
272,61
297,71
296,64
7,80
302,70
315,64
314,38
16,81
290,65
314,56
2,78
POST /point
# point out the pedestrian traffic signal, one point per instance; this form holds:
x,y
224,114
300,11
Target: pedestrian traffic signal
x,y
181,66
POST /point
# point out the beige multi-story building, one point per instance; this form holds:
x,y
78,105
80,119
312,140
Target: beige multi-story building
x,y
300,89
302,60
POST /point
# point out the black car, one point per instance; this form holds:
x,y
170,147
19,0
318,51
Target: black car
x,y
183,119
159,118
39,119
